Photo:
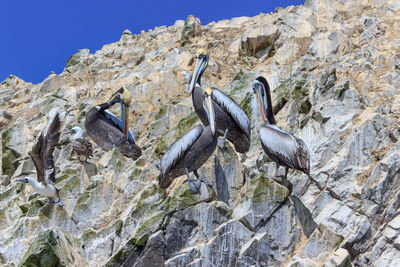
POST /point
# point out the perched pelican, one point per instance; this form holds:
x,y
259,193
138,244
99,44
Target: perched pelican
x,y
282,147
42,157
107,130
191,151
80,146
231,121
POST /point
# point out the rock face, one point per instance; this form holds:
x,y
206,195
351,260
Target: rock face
x,y
334,71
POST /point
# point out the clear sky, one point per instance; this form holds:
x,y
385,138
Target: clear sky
x,y
38,36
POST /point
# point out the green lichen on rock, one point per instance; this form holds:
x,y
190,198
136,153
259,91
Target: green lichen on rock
x,y
305,106
304,121
140,60
6,193
32,208
134,173
338,94
42,252
246,105
182,198
161,113
241,81
69,184
319,118
168,137
73,60
282,95
190,29
8,163
264,190
118,227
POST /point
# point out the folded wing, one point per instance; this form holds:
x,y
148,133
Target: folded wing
x,y
233,109
117,123
179,148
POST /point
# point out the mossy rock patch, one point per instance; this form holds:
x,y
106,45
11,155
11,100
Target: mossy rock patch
x,y
42,252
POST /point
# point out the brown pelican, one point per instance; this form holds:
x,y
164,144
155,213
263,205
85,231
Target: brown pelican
x,y
108,131
42,157
231,121
191,151
282,147
80,146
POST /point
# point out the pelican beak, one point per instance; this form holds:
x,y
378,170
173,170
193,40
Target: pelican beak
x,y
198,70
125,118
115,98
257,90
208,106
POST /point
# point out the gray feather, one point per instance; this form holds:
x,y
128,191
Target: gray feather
x,y
233,109
289,149
179,147
118,124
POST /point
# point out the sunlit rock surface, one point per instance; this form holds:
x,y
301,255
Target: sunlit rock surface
x,y
334,71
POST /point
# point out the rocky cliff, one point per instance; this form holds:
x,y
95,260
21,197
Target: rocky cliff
x,y
334,70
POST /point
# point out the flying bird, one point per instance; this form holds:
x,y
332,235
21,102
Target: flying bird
x,y
191,151
42,157
282,147
109,131
231,121
80,145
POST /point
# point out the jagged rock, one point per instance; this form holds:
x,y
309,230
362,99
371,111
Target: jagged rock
x,y
263,197
334,81
190,29
42,251
258,42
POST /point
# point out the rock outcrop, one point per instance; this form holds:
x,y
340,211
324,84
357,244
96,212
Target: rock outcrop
x,y
334,71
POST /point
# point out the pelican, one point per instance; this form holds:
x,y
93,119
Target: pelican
x,y
108,131
282,147
191,151
231,121
80,146
42,157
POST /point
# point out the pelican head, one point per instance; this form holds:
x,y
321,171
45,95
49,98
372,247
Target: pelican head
x,y
209,108
124,97
77,131
260,91
200,66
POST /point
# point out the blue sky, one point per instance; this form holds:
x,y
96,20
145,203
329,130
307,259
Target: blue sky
x,y
38,36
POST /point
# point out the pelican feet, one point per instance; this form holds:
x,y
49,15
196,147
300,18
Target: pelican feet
x,y
195,185
59,202
221,144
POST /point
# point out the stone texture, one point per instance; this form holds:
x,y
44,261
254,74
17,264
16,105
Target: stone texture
x,y
334,76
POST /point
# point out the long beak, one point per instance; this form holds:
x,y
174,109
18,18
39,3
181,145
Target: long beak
x,y
22,180
262,104
198,68
114,98
125,118
209,107
69,132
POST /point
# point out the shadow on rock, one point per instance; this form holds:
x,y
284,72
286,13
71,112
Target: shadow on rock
x,y
90,168
304,215
220,181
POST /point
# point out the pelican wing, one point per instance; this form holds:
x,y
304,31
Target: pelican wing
x,y
179,148
233,109
116,122
285,147
304,155
42,152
